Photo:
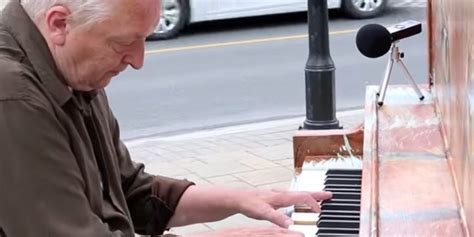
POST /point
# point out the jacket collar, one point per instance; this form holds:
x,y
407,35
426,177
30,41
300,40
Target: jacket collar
x,y
21,27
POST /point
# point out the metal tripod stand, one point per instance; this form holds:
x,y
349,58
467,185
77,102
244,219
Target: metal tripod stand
x,y
396,57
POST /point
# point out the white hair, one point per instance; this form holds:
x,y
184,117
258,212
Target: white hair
x,y
83,12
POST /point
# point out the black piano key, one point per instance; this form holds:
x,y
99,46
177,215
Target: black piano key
x,y
340,206
344,171
340,212
338,235
351,182
343,186
350,196
344,224
339,217
342,190
347,201
340,176
341,231
344,176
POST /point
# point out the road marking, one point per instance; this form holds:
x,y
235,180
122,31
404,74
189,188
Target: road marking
x,y
410,3
242,42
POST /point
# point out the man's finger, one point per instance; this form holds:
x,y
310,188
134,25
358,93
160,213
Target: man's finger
x,y
321,195
278,218
297,198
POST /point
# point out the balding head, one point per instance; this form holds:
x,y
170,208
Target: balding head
x,y
94,40
83,12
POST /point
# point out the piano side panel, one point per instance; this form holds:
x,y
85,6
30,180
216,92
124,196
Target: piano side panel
x,y
416,188
368,205
407,187
437,228
451,67
413,128
411,200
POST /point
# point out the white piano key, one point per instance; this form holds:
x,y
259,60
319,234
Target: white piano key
x,y
309,180
307,230
305,218
312,178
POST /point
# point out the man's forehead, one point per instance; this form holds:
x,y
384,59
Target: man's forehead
x,y
135,8
133,18
134,4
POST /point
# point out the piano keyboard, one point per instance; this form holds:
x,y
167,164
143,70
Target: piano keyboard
x,y
340,215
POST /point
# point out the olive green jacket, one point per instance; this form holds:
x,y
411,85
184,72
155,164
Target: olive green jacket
x,y
63,168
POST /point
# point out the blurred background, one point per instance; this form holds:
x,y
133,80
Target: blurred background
x,y
244,70
217,68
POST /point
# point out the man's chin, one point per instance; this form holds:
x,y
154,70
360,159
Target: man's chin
x,y
104,82
94,87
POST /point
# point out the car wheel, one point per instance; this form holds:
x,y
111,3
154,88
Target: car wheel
x,y
174,16
363,8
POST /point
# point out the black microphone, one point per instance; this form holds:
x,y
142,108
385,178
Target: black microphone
x,y
375,40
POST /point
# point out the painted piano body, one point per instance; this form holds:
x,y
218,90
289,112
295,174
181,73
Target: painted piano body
x,y
417,158
408,186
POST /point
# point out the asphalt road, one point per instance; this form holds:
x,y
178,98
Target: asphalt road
x,y
233,72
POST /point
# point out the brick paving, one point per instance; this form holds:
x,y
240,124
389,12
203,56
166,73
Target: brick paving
x,y
246,156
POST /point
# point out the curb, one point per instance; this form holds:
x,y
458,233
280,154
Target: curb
x,y
234,129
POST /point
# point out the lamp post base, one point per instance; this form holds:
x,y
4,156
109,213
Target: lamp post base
x,y
315,125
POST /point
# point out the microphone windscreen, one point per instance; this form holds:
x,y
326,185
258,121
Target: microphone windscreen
x,y
373,40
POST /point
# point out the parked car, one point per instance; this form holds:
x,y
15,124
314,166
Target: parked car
x,y
176,14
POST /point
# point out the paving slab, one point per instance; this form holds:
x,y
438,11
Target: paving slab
x,y
246,156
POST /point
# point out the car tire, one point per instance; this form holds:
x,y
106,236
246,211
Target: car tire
x,y
174,17
355,9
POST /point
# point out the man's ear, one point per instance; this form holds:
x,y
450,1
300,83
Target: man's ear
x,y
57,24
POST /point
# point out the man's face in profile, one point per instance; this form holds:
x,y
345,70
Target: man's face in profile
x,y
93,55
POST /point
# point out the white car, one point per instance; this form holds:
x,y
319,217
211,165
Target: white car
x,y
176,14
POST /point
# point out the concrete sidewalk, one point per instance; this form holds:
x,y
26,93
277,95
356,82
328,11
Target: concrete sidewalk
x,y
246,156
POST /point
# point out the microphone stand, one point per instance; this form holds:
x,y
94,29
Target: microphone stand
x,y
396,57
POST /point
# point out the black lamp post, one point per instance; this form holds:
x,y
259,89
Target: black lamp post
x,y
319,71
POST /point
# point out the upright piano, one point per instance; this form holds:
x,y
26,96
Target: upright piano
x,y
408,170
389,177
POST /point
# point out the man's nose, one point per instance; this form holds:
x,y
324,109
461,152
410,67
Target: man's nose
x,y
135,56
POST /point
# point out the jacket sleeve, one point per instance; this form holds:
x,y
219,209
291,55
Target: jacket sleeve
x,y
151,199
41,187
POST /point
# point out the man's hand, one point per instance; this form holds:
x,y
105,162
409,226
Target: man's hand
x,y
206,204
251,231
263,204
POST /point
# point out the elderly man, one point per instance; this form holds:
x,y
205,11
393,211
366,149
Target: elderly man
x,y
63,169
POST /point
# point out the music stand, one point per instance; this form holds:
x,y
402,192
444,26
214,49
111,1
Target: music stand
x,y
396,57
